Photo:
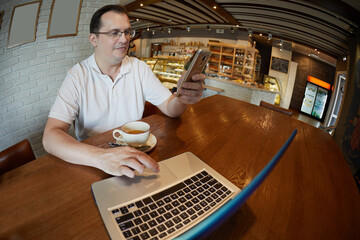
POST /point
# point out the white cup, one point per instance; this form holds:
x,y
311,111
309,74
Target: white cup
x,y
135,134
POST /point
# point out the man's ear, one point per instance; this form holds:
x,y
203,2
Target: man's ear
x,y
93,39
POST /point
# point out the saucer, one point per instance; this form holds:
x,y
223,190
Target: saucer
x,y
149,145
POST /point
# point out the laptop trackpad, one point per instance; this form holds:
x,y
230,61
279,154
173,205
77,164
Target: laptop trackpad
x,y
150,181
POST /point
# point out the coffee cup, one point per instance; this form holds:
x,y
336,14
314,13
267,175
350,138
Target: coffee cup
x,y
135,133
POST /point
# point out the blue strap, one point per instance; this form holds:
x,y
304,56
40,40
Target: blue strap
x,y
218,217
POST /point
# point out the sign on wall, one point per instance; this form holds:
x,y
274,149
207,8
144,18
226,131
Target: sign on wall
x,y
23,24
279,64
64,18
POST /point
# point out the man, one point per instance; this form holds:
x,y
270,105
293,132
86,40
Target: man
x,y
105,91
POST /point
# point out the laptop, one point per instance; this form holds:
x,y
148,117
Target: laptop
x,y
184,200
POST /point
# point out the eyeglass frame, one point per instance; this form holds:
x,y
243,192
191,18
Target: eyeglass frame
x,y
119,33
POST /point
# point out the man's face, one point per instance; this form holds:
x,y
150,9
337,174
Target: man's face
x,y
109,49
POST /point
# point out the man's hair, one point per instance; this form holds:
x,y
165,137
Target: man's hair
x,y
95,23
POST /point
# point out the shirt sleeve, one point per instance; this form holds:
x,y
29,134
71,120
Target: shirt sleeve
x,y
155,92
66,105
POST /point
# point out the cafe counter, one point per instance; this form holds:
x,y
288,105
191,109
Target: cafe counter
x,y
237,90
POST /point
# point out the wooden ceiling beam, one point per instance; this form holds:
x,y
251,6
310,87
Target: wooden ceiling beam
x,y
221,11
136,4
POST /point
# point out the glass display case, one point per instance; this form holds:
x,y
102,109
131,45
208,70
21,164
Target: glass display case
x,y
271,83
167,68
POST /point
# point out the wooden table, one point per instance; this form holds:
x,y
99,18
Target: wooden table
x,y
310,194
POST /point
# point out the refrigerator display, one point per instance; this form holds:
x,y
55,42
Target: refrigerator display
x,y
309,98
320,101
315,97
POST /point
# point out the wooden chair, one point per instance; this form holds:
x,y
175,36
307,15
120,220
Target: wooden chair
x,y
150,109
15,156
276,108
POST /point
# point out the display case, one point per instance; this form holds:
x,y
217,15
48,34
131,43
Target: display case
x,y
167,68
233,61
271,83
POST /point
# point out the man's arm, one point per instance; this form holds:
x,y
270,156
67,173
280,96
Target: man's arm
x,y
190,93
114,161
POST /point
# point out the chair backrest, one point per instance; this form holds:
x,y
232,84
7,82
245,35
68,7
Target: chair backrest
x,y
15,156
150,109
275,108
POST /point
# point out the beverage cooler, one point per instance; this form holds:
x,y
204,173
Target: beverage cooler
x,y
317,95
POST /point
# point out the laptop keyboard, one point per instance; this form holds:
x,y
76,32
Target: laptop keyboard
x,y
163,214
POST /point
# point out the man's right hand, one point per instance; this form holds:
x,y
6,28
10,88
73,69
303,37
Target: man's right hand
x,y
124,161
115,161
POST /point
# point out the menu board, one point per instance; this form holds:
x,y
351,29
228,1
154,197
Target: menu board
x,y
309,98
279,64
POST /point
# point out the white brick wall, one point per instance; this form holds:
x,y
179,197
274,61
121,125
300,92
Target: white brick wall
x,y
31,74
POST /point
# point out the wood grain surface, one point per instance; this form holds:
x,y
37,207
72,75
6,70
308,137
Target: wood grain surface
x,y
310,194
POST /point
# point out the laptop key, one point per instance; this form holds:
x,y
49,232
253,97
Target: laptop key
x,y
124,218
153,232
176,220
186,221
180,225
138,221
124,210
152,223
152,206
139,204
137,213
145,218
127,234
126,225
144,227
147,200
161,228
135,230
169,224
144,236
162,235
171,230
168,191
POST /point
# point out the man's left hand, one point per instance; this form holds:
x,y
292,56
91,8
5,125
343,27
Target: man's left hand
x,y
191,92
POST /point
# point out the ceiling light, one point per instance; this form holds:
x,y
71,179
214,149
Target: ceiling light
x,y
250,33
153,32
344,58
281,42
208,28
188,29
269,37
137,19
260,34
214,7
141,5
169,30
148,29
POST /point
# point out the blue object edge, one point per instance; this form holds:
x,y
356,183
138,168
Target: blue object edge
x,y
217,218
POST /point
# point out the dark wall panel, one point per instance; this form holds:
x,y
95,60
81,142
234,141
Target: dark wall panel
x,y
308,66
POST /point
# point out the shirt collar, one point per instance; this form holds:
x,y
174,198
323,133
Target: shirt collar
x,y
125,65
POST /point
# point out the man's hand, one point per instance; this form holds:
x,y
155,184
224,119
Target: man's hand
x,y
124,161
191,92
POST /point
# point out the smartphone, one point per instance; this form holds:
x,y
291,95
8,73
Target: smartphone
x,y
197,65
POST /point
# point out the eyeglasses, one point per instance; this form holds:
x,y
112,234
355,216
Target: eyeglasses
x,y
116,34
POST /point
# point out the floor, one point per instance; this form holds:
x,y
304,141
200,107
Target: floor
x,y
304,118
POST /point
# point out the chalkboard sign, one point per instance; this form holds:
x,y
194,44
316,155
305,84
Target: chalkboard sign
x,y
279,64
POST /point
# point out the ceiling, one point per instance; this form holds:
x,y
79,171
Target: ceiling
x,y
324,25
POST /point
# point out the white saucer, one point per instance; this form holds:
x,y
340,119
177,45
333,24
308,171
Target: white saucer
x,y
151,142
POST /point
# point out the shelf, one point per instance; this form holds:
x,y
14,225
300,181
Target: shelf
x,y
236,60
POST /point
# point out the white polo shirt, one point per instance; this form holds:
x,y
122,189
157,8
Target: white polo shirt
x,y
98,104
